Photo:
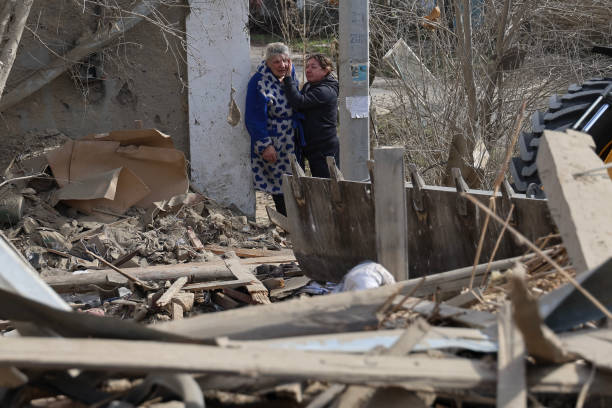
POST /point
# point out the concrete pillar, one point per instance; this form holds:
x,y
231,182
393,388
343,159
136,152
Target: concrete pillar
x,y
218,59
354,92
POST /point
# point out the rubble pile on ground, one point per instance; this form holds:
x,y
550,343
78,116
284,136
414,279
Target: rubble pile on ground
x,y
185,304
55,241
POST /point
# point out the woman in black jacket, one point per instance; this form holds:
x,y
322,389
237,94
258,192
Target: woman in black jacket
x,y
318,102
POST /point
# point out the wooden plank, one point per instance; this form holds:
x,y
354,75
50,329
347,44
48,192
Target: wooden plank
x,y
224,284
409,372
390,211
465,298
567,378
176,310
225,301
172,290
237,295
135,356
246,252
578,203
198,271
195,241
258,292
541,343
471,318
342,312
348,311
511,379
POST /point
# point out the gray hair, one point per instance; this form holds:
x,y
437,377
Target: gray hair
x,y
276,48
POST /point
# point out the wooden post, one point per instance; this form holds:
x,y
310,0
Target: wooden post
x,y
390,211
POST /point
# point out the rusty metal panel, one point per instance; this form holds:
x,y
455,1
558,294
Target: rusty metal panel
x,y
330,236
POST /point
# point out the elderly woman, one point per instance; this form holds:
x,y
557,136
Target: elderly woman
x,y
271,122
318,102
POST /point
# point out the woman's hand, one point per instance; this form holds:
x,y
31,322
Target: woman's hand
x,y
269,154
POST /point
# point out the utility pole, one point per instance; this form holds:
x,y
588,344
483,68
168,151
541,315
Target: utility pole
x,y
354,94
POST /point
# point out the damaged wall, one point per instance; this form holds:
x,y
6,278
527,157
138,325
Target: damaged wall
x,y
218,60
113,89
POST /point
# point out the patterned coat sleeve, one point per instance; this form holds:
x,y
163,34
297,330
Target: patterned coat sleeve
x,y
256,116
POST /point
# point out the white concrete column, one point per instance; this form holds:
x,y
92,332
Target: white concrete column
x,y
218,59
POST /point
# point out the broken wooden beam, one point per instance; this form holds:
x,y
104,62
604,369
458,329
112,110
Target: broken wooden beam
x,y
246,252
347,311
135,356
220,284
195,241
224,301
413,373
172,290
198,271
578,198
258,292
541,343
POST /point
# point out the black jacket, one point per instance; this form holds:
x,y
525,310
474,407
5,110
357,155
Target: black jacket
x,y
319,104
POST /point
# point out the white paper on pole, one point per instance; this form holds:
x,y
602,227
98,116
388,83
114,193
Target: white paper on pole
x,y
358,106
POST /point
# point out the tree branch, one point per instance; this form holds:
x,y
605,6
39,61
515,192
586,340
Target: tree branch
x,y
98,41
9,52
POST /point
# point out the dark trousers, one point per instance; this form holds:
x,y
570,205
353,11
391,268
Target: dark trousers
x,y
317,158
279,203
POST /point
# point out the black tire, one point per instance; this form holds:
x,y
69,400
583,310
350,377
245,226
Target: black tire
x,y
562,113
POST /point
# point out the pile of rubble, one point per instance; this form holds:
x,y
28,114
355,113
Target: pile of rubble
x,y
147,308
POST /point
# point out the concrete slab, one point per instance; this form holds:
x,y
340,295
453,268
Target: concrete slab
x,y
579,204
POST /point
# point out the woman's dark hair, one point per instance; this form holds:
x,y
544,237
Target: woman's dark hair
x,y
324,61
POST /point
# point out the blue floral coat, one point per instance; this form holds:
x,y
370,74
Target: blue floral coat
x,y
270,121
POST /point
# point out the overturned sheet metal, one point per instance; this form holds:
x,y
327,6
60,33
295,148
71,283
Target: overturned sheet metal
x,y
17,276
566,308
364,342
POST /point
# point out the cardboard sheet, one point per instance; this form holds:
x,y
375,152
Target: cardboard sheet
x,y
103,185
139,166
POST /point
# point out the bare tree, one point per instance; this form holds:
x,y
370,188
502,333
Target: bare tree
x,y
12,21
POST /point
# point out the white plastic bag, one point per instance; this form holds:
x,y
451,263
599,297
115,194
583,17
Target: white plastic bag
x,y
366,275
